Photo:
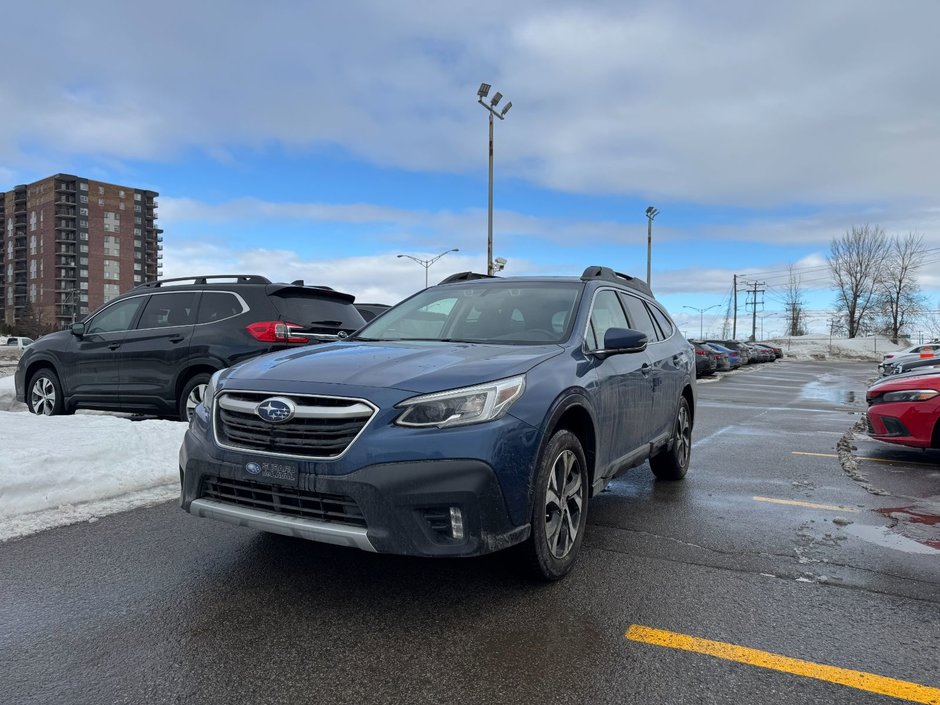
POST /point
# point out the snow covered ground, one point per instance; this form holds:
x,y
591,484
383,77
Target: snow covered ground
x,y
816,348
65,469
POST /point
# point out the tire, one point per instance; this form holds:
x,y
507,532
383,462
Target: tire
x,y
559,508
44,394
192,395
673,463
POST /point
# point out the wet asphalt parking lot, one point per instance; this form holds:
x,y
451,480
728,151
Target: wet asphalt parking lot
x,y
768,545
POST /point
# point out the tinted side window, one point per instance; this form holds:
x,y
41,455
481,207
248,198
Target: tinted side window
x,y
606,314
663,320
116,317
216,305
166,310
640,317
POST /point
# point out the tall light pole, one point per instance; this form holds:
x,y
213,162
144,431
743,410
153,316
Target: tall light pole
x,y
701,317
491,109
650,214
426,263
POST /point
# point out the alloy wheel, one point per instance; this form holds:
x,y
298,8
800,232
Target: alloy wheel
x,y
194,399
683,436
43,397
563,504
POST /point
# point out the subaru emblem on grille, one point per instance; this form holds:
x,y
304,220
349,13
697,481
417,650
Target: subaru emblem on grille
x,y
252,468
276,410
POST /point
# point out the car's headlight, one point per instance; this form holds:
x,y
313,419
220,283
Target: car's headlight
x,y
209,395
911,395
483,402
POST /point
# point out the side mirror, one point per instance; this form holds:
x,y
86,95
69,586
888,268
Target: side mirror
x,y
78,329
623,340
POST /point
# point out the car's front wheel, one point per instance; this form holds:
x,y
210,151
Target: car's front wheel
x,y
673,463
44,394
559,512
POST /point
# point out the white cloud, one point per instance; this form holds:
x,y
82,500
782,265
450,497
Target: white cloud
x,y
733,103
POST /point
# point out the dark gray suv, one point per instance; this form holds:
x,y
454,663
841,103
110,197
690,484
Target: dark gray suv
x,y
153,349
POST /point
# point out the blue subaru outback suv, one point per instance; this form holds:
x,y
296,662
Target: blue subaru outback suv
x,y
478,414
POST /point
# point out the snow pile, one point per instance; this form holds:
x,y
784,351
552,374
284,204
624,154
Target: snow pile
x,y
8,401
103,463
823,348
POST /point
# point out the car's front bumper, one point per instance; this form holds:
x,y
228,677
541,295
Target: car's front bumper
x,y
904,423
424,507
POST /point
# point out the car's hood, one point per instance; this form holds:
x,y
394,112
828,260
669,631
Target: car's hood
x,y
411,366
51,340
910,380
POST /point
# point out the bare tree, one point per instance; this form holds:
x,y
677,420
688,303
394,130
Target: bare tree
x,y
794,304
900,300
855,261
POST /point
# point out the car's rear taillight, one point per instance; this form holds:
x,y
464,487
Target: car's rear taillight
x,y
701,352
276,332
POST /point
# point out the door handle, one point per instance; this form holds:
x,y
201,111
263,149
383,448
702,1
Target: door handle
x,y
177,338
645,368
114,346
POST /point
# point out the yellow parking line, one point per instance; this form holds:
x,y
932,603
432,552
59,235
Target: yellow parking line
x,y
811,505
862,457
764,659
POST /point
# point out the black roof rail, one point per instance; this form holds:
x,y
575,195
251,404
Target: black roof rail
x,y
465,277
607,274
203,279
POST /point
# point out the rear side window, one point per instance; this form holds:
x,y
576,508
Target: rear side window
x,y
663,320
317,314
168,310
640,317
217,305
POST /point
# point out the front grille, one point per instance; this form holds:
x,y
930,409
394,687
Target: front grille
x,y
870,427
332,508
322,427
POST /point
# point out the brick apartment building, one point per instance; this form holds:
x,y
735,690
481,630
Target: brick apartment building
x,y
69,244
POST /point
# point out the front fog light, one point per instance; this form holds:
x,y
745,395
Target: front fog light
x,y
456,523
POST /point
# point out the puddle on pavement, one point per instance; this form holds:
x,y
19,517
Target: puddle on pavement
x,y
886,538
919,516
821,391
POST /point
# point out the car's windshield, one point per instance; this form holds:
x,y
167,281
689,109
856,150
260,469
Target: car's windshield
x,y
482,312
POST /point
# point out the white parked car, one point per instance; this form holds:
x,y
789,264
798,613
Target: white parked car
x,y
17,342
924,349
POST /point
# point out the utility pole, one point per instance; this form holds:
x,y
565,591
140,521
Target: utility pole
x,y
734,326
754,291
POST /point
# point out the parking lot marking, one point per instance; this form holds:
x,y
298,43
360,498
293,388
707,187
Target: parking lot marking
x,y
862,457
764,659
811,505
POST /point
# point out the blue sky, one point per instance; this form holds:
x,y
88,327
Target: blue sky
x,y
318,141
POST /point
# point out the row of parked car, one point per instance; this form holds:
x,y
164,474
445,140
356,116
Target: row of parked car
x,y
723,355
904,405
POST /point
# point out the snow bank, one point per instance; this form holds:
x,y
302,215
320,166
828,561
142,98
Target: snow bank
x,y
8,401
818,348
53,463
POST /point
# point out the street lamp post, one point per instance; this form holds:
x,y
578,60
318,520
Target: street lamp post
x,y
491,109
701,317
426,263
650,214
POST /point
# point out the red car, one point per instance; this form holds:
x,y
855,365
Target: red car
x,y
905,410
